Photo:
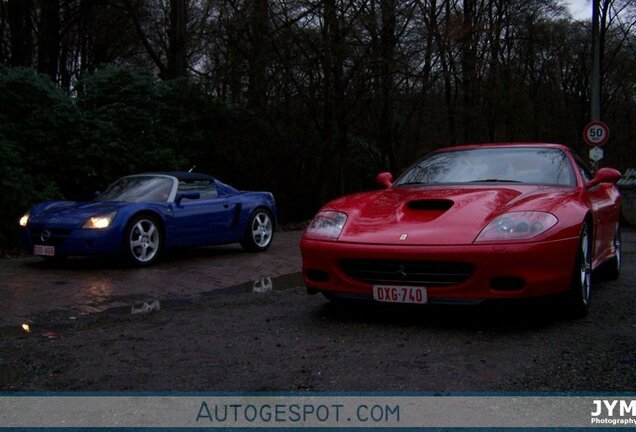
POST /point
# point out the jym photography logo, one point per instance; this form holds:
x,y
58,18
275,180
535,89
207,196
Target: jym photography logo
x,y
614,412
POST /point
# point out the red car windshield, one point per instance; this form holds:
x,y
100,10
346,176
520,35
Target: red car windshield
x,y
531,165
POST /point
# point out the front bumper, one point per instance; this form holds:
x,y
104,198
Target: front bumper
x,y
73,241
534,269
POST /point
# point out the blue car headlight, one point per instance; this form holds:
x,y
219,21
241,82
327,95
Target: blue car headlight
x,y
24,220
100,222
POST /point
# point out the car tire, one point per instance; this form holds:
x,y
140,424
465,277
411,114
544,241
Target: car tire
x,y
260,231
579,296
142,241
613,265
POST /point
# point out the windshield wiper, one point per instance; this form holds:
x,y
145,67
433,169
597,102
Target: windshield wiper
x,y
409,183
495,180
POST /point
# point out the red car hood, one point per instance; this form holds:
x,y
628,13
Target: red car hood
x,y
451,215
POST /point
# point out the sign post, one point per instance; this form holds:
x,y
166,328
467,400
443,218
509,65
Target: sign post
x,y
596,134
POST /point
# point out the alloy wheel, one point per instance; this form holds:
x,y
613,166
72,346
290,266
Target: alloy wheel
x,y
144,240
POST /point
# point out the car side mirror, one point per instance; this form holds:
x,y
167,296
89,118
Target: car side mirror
x,y
604,175
187,195
385,179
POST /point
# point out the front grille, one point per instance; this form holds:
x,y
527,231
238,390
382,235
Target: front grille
x,y
56,236
426,273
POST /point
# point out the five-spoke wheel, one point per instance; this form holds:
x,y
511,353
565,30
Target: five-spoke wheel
x,y
581,289
260,231
143,240
613,266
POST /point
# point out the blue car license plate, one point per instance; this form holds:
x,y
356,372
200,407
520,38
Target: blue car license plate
x,y
44,250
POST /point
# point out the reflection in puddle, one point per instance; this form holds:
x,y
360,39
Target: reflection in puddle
x,y
100,289
262,286
126,306
145,307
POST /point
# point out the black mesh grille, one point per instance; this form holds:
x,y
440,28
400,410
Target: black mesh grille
x,y
426,273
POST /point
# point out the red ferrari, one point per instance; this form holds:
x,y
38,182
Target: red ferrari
x,y
467,224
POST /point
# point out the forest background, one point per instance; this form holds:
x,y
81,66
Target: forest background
x,y
308,99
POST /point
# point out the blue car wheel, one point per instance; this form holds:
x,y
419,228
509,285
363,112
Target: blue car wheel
x,y
142,241
260,231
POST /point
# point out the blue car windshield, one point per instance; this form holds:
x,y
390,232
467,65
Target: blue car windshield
x,y
138,189
529,165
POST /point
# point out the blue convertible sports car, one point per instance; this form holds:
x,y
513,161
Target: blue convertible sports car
x,y
141,215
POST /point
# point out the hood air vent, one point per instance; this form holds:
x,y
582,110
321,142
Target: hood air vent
x,y
430,205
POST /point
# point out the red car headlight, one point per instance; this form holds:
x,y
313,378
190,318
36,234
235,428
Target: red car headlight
x,y
517,226
327,224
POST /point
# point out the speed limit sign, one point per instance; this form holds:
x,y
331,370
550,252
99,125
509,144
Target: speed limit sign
x,y
596,133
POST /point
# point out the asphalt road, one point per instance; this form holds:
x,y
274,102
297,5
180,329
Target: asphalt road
x,y
191,323
31,287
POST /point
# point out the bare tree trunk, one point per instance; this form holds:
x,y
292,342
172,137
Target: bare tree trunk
x,y
65,73
334,110
259,28
468,61
177,63
49,38
445,60
85,26
133,12
387,61
21,32
604,17
5,49
496,14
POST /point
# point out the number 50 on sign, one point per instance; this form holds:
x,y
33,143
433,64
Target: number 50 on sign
x,y
596,133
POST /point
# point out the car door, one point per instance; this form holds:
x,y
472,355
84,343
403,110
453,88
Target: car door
x,y
203,220
602,200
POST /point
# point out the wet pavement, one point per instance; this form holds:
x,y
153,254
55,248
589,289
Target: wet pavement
x,y
31,287
223,320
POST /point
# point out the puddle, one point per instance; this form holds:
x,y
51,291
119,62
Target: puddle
x,y
120,306
145,307
260,286
9,375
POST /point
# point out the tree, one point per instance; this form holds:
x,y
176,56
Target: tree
x,y
19,13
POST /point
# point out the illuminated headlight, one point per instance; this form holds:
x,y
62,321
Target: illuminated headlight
x,y
24,220
517,226
100,222
327,224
